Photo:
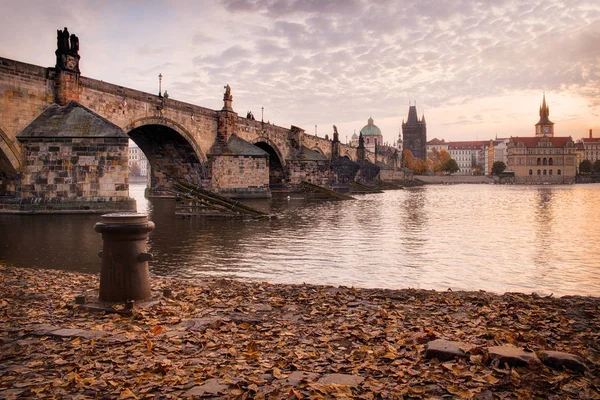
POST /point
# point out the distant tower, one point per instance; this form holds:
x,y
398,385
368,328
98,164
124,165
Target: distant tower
x,y
544,127
414,133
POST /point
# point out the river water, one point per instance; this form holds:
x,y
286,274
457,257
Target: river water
x,y
543,239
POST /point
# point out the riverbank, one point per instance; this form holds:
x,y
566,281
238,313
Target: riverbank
x,y
236,339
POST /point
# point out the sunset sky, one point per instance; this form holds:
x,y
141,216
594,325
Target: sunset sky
x,y
477,70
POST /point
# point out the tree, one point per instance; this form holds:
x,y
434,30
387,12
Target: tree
x,y
585,167
451,166
498,167
436,159
597,166
416,165
408,158
135,169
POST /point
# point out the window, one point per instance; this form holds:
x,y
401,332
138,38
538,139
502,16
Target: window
x,y
539,172
539,161
530,172
544,172
550,161
545,162
558,172
550,172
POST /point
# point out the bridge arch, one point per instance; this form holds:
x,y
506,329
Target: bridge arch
x,y
277,163
10,151
10,165
174,126
172,152
318,150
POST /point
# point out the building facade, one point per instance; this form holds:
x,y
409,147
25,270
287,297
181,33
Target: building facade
x,y
469,156
138,163
591,148
414,134
543,158
495,151
437,144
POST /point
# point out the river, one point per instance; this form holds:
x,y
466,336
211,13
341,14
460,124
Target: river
x,y
543,239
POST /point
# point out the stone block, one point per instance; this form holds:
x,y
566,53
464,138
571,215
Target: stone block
x,y
445,350
560,360
513,356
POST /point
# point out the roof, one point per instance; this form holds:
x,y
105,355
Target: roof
x,y
71,121
436,141
370,129
591,140
239,147
468,145
532,141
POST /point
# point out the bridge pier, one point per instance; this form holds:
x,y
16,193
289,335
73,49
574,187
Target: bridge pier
x,y
75,161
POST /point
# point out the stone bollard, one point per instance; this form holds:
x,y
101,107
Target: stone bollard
x,y
124,273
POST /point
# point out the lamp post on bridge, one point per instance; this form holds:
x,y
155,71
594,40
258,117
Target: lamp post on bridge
x,y
262,114
159,85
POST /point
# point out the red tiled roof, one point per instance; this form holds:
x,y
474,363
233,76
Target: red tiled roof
x,y
532,141
468,145
436,141
591,140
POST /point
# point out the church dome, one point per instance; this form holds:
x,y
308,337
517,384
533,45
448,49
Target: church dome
x,y
370,129
354,136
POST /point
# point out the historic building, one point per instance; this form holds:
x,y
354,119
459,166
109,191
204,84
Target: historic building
x,y
414,133
469,156
371,135
591,148
543,158
495,151
437,144
138,163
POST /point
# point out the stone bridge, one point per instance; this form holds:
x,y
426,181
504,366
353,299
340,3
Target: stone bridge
x,y
55,146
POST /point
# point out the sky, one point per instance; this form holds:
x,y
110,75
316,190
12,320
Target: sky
x,y
476,69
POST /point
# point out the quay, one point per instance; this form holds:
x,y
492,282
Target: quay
x,y
217,338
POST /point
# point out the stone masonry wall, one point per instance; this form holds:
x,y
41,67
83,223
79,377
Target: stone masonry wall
x,y
316,172
72,169
25,91
240,176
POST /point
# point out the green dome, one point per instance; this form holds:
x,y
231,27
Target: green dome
x,y
370,129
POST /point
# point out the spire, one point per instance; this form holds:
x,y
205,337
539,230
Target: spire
x,y
370,121
423,118
544,109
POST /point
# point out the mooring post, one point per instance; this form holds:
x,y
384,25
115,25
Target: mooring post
x,y
124,273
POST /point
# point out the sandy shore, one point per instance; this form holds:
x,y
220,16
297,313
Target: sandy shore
x,y
218,338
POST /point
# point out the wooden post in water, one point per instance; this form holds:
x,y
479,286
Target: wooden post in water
x,y
124,273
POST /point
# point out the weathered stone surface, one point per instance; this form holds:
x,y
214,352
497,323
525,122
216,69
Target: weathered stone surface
x,y
210,387
445,350
297,376
77,333
259,307
512,356
559,360
342,379
201,324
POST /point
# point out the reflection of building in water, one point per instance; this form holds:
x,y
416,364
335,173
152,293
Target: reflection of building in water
x,y
544,221
138,163
543,158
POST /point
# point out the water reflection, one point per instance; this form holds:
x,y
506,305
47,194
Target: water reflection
x,y
496,238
